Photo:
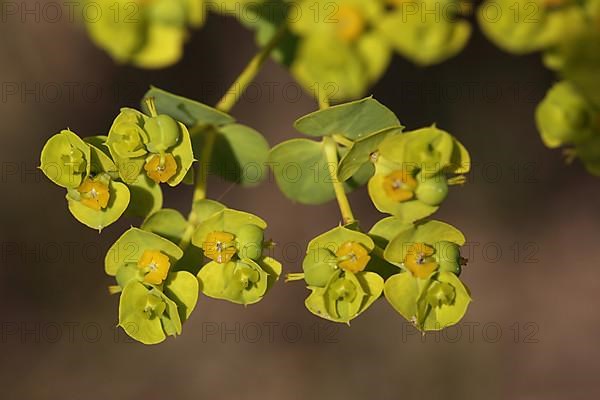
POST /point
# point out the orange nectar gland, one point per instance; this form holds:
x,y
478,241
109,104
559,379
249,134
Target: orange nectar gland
x,y
418,260
161,167
350,23
219,246
352,257
155,266
400,186
94,194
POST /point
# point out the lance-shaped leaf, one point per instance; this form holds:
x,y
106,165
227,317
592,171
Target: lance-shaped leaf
x,y
361,151
187,111
354,120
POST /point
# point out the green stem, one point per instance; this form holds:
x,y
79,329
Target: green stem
x,y
226,103
249,73
338,187
344,141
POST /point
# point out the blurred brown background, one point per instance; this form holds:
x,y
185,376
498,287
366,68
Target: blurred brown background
x,y
533,224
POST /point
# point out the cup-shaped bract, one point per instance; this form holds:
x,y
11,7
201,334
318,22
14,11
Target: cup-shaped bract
x,y
423,36
66,159
148,34
566,116
524,26
159,147
233,240
411,178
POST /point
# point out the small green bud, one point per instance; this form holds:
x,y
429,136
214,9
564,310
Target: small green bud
x,y
565,116
246,275
432,190
163,133
249,240
318,266
154,307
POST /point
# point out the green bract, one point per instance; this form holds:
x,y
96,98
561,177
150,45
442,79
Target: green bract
x,y
529,25
240,152
234,241
88,174
302,167
426,37
430,305
411,176
340,52
66,159
428,292
159,145
565,116
148,34
334,271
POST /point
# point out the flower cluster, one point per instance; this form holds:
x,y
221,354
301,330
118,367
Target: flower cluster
x,y
161,267
568,36
414,263
145,33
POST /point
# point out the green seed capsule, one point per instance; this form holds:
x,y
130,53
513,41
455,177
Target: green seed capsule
x,y
433,190
249,240
163,133
318,266
447,255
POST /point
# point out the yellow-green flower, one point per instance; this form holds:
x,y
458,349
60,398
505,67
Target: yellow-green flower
x,y
155,265
352,256
219,246
94,194
161,167
419,260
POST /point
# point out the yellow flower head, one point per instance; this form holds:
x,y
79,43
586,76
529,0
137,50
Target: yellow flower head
x,y
155,265
350,23
418,260
400,186
161,167
219,246
94,194
352,257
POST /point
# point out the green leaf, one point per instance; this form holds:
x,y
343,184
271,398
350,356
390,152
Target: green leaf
x,y
129,122
402,292
325,303
167,223
301,171
171,321
182,287
430,233
66,159
387,228
134,320
101,161
240,155
187,111
353,120
100,219
360,152
334,238
146,196
373,285
132,244
206,208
